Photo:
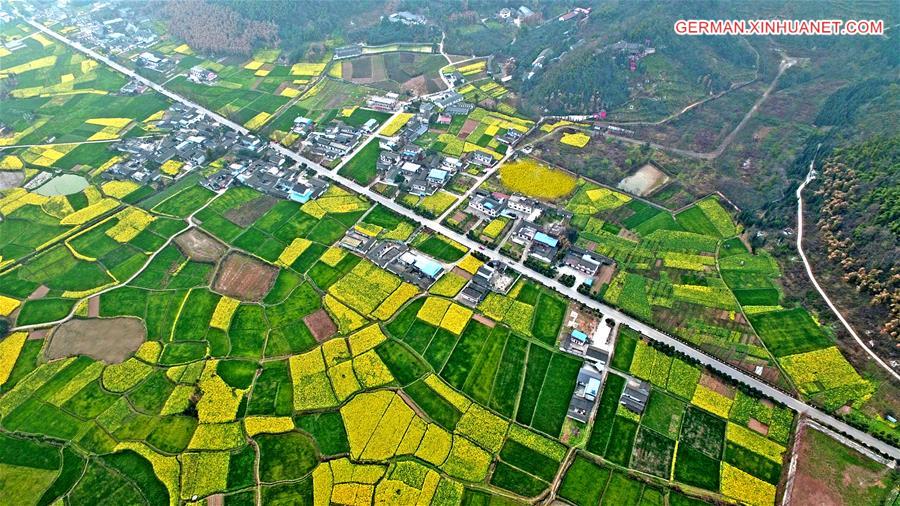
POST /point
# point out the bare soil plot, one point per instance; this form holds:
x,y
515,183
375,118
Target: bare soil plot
x,y
111,340
644,181
244,277
484,319
460,272
200,246
35,335
93,307
758,426
320,325
468,127
11,179
606,274
831,474
717,385
246,214
39,293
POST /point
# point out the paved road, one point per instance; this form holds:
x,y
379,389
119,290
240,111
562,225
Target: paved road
x,y
572,293
809,177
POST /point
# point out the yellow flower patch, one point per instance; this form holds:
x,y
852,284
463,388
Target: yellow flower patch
x,y
433,310
119,189
435,445
39,63
203,473
88,65
307,69
11,162
164,467
217,436
254,425
754,442
749,489
473,68
42,40
254,64
578,140
467,461
257,121
110,122
483,427
470,264
219,401
312,389
536,180
458,400
290,92
262,73
178,401
343,380
448,285
293,251
395,300
10,347
221,318
395,124
184,49
121,377
371,371
8,305
712,401
456,318
171,167
333,256
364,340
347,319
149,351
132,221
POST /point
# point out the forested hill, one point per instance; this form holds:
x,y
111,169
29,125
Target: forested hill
x,y
585,71
857,209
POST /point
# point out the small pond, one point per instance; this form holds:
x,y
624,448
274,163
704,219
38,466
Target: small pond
x,y
65,184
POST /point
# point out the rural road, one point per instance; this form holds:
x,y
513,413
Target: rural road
x,y
652,333
809,177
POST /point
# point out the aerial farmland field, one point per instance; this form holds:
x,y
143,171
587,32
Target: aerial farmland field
x,y
252,311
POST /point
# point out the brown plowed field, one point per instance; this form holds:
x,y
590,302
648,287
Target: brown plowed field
x,y
244,277
111,340
200,246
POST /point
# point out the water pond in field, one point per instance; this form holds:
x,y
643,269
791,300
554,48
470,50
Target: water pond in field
x,y
65,184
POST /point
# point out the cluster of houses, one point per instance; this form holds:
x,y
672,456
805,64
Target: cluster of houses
x,y
518,16
191,137
192,140
542,241
394,256
335,141
116,27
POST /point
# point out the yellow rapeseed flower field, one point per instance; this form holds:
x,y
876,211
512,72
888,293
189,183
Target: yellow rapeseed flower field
x,y
579,139
534,179
10,347
221,318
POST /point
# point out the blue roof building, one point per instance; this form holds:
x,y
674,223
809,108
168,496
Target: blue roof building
x,y
428,266
546,239
581,336
437,175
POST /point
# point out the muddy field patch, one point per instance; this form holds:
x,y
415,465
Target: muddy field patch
x,y
111,340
